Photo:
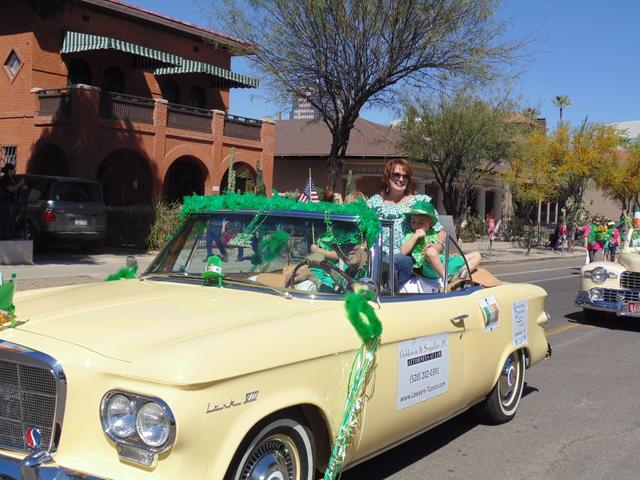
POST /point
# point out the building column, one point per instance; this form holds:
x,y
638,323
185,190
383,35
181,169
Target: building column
x,y
217,166
548,213
480,202
497,204
420,186
556,212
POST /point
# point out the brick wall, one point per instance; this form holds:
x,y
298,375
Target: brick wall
x,y
85,138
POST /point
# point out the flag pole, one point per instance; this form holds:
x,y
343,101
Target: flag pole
x,y
313,223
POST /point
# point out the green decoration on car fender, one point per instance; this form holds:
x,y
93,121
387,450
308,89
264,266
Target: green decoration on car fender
x,y
129,272
367,324
7,308
213,271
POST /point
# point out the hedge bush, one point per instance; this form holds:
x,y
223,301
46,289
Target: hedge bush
x,y
144,227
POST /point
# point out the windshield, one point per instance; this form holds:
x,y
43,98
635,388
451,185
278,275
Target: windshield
x,y
321,254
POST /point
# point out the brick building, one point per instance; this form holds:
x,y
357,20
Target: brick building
x,y
109,91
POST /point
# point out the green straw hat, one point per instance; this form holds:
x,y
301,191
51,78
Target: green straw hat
x,y
424,208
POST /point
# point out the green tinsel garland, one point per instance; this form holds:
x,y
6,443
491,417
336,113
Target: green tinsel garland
x,y
368,221
368,326
7,308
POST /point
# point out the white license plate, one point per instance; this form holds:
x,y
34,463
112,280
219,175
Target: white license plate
x,y
633,307
81,221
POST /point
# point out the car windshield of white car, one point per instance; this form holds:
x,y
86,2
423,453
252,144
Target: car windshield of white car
x,y
287,250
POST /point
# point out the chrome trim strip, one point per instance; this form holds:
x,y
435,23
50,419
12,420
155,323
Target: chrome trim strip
x,y
21,355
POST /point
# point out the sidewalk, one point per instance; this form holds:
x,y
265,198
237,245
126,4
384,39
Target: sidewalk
x,y
506,252
68,268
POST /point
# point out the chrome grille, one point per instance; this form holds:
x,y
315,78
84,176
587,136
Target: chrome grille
x,y
611,295
29,392
630,280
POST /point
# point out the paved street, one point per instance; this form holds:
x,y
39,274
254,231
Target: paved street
x,y
579,417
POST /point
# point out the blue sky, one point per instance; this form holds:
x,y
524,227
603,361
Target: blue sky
x,y
584,49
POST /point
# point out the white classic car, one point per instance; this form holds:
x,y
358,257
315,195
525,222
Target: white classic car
x,y
612,287
243,375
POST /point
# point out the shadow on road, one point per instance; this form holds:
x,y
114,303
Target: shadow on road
x,y
400,457
605,320
74,254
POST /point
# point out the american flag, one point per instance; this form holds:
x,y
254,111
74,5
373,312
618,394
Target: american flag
x,y
308,193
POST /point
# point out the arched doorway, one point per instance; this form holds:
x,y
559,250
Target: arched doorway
x,y
79,72
49,160
245,178
126,178
185,176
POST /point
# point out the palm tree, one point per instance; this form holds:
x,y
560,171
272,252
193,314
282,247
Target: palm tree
x,y
561,101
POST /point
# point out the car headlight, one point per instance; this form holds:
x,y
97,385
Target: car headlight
x,y
120,416
140,426
599,275
596,294
152,424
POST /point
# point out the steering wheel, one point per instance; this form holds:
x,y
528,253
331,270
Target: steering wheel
x,y
323,265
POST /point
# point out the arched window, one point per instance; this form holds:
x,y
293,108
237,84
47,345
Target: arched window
x,y
113,80
197,97
79,72
171,91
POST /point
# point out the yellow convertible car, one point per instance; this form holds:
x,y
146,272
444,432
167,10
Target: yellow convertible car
x,y
230,357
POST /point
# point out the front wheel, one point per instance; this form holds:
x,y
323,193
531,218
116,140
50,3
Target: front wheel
x,y
501,404
282,450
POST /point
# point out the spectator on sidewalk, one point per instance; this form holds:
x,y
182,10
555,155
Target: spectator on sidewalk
x,y
10,188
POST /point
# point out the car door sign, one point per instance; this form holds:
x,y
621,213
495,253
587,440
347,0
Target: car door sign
x,y
490,312
520,322
423,369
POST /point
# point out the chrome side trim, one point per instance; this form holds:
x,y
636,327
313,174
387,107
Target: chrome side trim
x,y
21,355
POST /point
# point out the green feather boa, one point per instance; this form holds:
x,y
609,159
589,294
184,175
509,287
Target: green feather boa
x,y
368,221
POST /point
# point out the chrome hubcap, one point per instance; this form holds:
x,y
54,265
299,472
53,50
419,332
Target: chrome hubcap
x,y
509,379
275,458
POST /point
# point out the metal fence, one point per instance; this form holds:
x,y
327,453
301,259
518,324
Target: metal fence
x,y
13,219
240,127
127,108
189,118
54,103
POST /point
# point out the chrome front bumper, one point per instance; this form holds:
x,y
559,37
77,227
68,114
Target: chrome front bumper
x,y
614,301
37,466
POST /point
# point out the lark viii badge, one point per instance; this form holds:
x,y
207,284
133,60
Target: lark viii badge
x,y
490,312
33,438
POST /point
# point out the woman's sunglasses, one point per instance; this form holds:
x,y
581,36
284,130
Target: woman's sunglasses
x,y
400,177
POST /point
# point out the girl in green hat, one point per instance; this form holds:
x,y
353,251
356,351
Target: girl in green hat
x,y
424,246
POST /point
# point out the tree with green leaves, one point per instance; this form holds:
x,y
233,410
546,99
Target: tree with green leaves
x,y
463,138
344,55
562,102
620,179
532,113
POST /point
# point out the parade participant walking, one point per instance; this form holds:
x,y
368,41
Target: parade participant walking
x,y
392,203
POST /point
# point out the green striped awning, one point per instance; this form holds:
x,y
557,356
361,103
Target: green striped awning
x,y
83,42
227,78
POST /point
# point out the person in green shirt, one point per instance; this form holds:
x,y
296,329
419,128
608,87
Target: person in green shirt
x,y
423,244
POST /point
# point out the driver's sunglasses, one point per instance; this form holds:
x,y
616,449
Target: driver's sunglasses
x,y
400,177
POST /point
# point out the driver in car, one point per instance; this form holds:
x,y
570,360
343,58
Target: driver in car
x,y
339,258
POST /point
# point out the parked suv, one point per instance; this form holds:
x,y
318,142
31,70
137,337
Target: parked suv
x,y
64,208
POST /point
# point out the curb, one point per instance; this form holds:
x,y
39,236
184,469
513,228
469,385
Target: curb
x,y
530,258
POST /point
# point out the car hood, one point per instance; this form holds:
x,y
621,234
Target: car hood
x,y
130,319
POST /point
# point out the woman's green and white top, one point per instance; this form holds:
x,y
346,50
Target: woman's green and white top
x,y
401,221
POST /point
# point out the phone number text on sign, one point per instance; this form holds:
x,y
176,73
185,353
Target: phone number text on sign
x,y
423,369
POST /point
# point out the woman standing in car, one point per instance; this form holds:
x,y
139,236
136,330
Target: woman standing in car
x,y
394,200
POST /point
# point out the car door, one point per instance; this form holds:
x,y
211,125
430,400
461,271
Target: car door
x,y
419,378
